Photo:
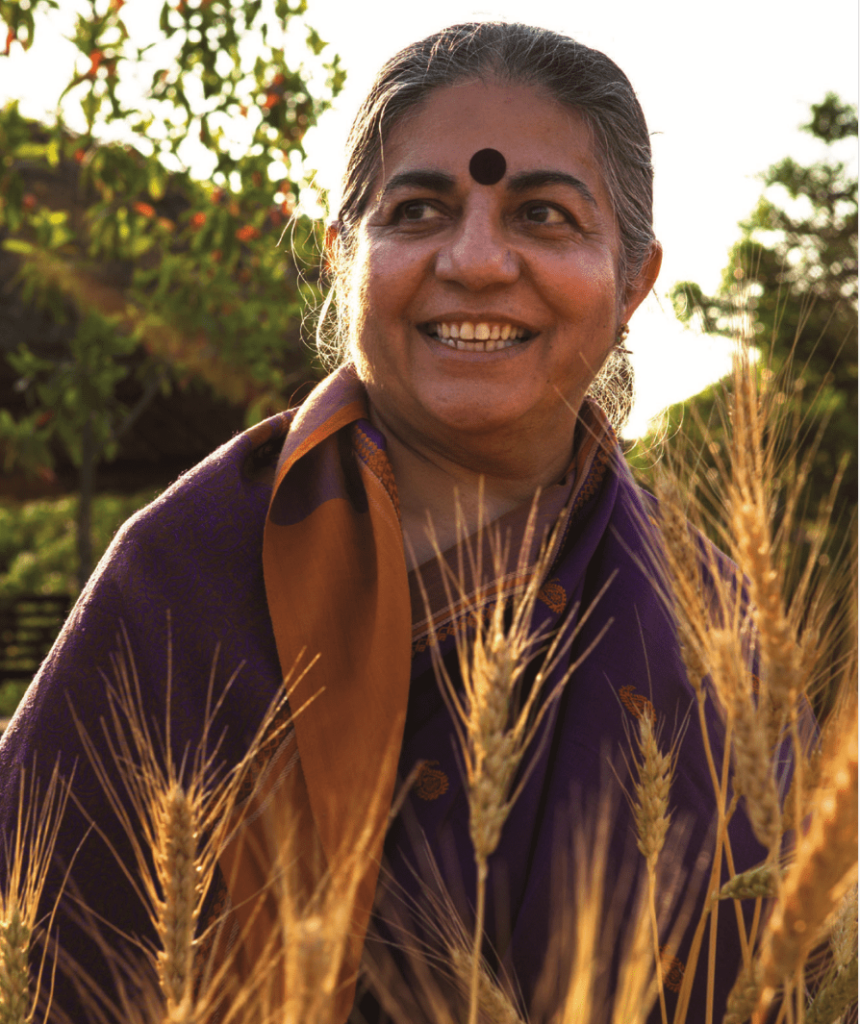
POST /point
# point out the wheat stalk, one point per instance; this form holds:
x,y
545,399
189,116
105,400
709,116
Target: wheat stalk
x,y
178,818
825,866
495,727
28,856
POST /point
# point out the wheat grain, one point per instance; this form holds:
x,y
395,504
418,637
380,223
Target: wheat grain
x,y
834,996
743,996
175,859
494,1005
28,856
843,935
759,882
824,868
753,760
651,807
15,935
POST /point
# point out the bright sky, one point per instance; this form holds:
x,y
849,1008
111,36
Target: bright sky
x,y
724,88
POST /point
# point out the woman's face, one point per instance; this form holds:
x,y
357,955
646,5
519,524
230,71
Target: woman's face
x,y
445,257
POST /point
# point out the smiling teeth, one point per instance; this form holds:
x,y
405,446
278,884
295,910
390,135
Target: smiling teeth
x,y
478,337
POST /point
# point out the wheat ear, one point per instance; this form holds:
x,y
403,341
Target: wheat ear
x,y
177,817
28,857
824,868
651,813
835,996
757,883
495,727
744,995
176,868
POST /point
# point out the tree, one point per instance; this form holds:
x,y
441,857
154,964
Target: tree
x,y
792,278
794,273
158,276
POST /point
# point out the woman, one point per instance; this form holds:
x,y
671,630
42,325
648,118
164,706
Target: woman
x,y
493,241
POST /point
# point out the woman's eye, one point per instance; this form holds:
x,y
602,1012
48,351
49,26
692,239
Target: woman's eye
x,y
416,210
541,213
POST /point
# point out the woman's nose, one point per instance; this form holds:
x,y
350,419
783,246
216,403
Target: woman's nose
x,y
478,255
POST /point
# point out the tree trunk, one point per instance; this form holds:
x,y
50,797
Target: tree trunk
x,y
87,479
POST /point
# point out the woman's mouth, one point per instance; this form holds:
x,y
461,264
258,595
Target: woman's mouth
x,y
477,335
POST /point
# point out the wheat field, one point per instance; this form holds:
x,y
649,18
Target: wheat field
x,y
800,954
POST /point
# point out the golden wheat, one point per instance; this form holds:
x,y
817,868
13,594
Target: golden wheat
x,y
28,858
837,993
824,868
494,726
756,883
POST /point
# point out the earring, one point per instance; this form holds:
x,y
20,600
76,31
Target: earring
x,y
621,337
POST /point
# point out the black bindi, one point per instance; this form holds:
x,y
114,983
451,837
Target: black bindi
x,y
487,166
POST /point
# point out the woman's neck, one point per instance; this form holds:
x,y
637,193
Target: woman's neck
x,y
436,491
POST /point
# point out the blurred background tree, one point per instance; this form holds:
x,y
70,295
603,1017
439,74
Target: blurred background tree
x,y
791,287
146,281
793,273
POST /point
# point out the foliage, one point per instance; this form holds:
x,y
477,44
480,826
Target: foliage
x,y
37,543
793,273
159,277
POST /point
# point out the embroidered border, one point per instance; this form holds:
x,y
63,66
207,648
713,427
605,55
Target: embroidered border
x,y
377,462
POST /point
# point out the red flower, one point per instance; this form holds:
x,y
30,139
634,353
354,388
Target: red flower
x,y
270,100
96,57
216,256
80,154
246,233
29,201
145,209
198,220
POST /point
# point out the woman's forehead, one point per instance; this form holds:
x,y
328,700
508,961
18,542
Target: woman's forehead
x,y
488,132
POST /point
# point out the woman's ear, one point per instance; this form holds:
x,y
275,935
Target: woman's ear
x,y
332,234
643,282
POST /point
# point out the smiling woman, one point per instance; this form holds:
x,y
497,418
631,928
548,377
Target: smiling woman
x,y
493,242
481,312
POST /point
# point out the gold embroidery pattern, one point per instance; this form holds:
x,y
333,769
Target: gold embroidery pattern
x,y
430,783
673,970
590,486
449,628
377,462
636,704
553,595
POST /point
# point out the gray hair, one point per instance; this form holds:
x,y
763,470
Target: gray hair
x,y
573,73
